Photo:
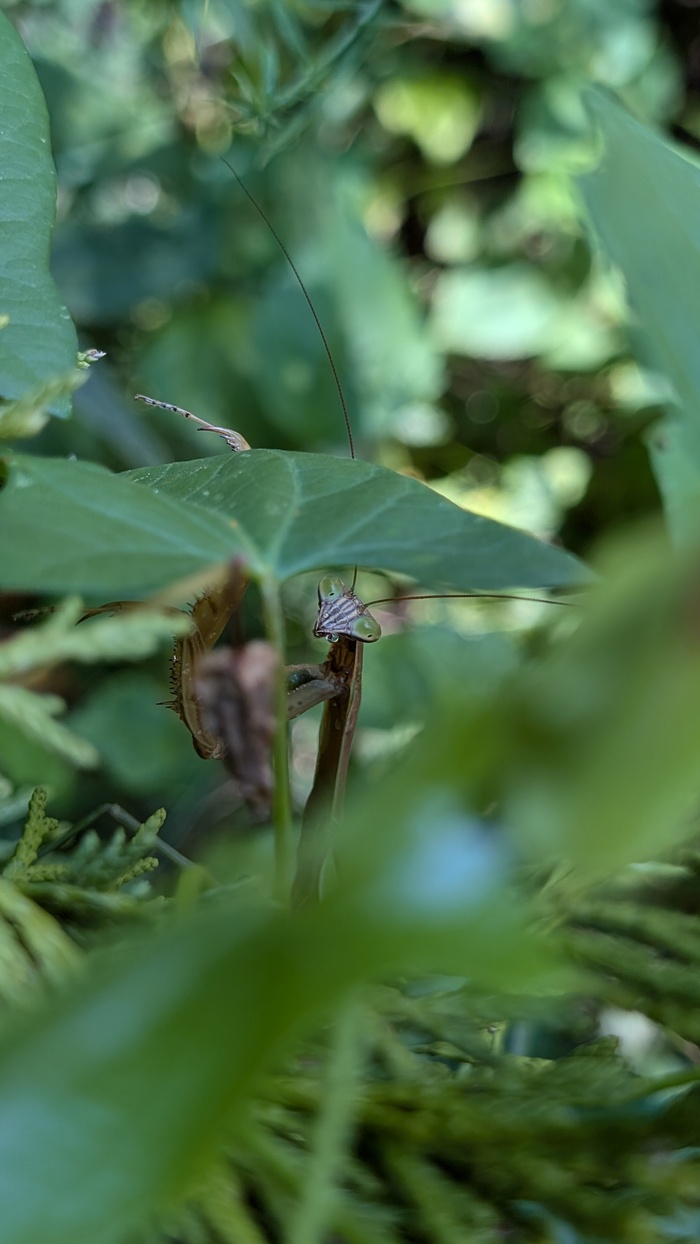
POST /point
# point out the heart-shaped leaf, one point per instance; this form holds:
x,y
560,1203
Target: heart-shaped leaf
x,y
309,511
38,341
72,526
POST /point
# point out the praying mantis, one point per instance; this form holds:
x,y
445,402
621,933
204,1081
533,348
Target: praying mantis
x,y
213,696
235,722
345,621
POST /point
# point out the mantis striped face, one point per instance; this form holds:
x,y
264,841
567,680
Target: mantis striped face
x,y
341,612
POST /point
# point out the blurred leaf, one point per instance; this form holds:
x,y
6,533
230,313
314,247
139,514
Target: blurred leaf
x,y
39,341
440,111
601,765
201,359
677,472
34,715
28,762
35,950
553,128
27,415
178,1027
105,272
642,177
123,636
590,754
496,313
395,361
407,674
298,392
143,746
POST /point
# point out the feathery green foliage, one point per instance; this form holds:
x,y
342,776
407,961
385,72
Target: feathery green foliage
x,y
127,636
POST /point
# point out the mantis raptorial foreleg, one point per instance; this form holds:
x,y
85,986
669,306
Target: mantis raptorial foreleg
x,y
233,439
309,685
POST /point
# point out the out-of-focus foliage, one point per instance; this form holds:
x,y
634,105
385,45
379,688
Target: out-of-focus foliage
x,y
525,818
24,711
37,338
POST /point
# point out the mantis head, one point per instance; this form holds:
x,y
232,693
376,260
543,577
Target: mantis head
x,y
341,612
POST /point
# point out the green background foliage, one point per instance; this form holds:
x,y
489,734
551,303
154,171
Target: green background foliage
x,y
501,241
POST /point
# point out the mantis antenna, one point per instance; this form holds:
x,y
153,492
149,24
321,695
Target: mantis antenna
x,y
538,600
305,292
341,396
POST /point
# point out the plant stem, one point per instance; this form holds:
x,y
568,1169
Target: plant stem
x,y
282,807
333,1129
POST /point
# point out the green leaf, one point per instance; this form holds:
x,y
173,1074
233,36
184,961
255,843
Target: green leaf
x,y
72,526
27,415
125,636
644,180
591,752
510,312
398,363
677,469
39,341
33,715
408,673
143,748
94,1090
310,511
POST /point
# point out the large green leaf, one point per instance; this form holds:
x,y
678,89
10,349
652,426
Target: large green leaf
x,y
310,511
676,464
643,201
39,341
591,751
72,526
111,1099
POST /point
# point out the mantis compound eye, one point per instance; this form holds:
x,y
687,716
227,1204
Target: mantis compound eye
x,y
330,588
367,629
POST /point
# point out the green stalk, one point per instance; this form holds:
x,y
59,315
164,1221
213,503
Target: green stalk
x,y
282,806
333,1130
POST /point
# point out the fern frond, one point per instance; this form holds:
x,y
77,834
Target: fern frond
x,y
34,715
125,636
38,827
